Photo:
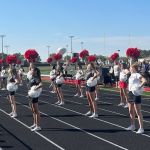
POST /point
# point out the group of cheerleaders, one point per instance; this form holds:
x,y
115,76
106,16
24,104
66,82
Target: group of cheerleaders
x,y
91,75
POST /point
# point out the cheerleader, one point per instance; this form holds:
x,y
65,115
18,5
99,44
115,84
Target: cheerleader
x,y
3,78
79,76
116,69
58,84
123,85
53,78
20,75
136,83
97,86
91,78
34,93
12,87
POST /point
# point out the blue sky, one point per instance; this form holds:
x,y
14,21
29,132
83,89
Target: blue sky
x,y
103,25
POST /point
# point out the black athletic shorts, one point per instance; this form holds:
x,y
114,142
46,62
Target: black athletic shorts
x,y
12,93
34,100
133,98
90,89
116,78
58,85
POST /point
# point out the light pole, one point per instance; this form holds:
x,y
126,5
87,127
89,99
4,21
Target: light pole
x,y
82,45
2,36
71,42
7,46
119,54
48,49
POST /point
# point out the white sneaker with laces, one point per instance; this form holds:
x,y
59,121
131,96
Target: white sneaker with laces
x,y
33,126
126,106
96,99
57,102
37,128
81,96
121,104
94,115
88,113
14,115
62,103
140,131
76,94
131,128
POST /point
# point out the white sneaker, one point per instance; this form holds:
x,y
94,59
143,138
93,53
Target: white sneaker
x,y
121,104
76,94
131,128
81,96
94,115
126,106
88,113
140,131
14,115
96,99
62,103
53,92
57,102
33,126
36,128
3,89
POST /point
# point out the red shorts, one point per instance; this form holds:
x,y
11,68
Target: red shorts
x,y
78,81
123,85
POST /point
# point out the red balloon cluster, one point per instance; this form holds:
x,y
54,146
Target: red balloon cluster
x,y
10,59
133,52
57,56
84,53
31,55
73,59
114,56
49,60
91,58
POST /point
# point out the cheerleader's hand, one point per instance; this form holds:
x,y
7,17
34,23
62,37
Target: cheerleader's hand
x,y
36,87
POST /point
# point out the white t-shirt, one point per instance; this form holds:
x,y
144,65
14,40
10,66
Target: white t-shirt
x,y
79,74
123,75
134,79
116,70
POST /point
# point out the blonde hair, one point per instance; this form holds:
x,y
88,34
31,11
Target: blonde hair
x,y
135,66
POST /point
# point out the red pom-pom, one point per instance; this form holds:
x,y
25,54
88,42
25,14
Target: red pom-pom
x,y
133,52
57,56
91,58
1,61
49,60
73,59
84,53
10,59
18,62
31,55
114,56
